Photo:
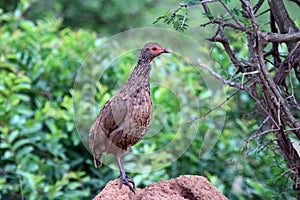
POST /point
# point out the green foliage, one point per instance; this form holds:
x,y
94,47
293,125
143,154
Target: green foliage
x,y
99,15
177,18
39,142
42,156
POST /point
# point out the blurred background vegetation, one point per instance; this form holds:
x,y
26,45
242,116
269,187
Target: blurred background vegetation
x,y
42,46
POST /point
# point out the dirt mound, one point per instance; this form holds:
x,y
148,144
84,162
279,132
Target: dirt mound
x,y
181,188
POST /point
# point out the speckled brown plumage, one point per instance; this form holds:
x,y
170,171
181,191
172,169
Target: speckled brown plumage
x,y
125,118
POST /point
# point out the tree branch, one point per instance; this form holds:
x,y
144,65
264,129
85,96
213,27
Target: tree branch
x,y
230,53
280,38
227,24
258,5
197,3
283,20
207,11
274,50
292,59
218,76
256,135
214,108
232,15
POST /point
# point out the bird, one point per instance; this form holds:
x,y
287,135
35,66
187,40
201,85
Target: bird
x,y
125,118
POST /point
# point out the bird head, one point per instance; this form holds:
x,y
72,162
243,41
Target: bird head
x,y
152,50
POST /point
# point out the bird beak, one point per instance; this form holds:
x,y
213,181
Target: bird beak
x,y
166,51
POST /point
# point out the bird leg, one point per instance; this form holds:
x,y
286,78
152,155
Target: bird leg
x,y
126,180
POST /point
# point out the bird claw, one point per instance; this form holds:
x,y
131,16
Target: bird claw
x,y
126,180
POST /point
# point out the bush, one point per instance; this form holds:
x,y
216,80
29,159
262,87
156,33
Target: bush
x,y
40,149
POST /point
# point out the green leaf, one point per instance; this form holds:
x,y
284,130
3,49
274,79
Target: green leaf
x,y
13,135
159,19
23,151
22,142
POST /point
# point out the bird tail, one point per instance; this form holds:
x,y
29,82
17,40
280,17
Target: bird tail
x,y
98,161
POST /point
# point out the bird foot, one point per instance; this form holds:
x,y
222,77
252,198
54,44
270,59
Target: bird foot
x,y
127,180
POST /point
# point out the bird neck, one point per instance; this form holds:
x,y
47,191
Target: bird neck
x,y
140,75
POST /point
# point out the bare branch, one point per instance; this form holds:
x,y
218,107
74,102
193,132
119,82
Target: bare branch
x,y
184,18
260,85
275,37
249,10
263,12
207,11
230,53
218,76
263,146
258,129
263,133
283,19
292,59
197,3
214,108
232,15
258,5
292,129
227,24
253,94
274,50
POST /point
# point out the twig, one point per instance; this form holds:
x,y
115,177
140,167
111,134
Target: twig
x,y
258,5
175,11
292,129
207,11
265,145
232,15
263,12
291,98
274,50
214,108
261,107
219,77
263,133
292,59
249,10
258,129
198,3
227,24
224,41
248,73
184,18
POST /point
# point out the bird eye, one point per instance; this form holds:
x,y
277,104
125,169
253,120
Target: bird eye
x,y
154,48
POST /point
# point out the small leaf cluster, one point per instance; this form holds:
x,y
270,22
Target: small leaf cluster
x,y
177,18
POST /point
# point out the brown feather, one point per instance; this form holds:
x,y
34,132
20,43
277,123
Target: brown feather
x,y
125,119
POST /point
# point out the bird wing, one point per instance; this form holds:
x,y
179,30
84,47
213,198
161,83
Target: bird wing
x,y
109,120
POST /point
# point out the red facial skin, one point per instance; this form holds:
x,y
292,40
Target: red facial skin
x,y
158,50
